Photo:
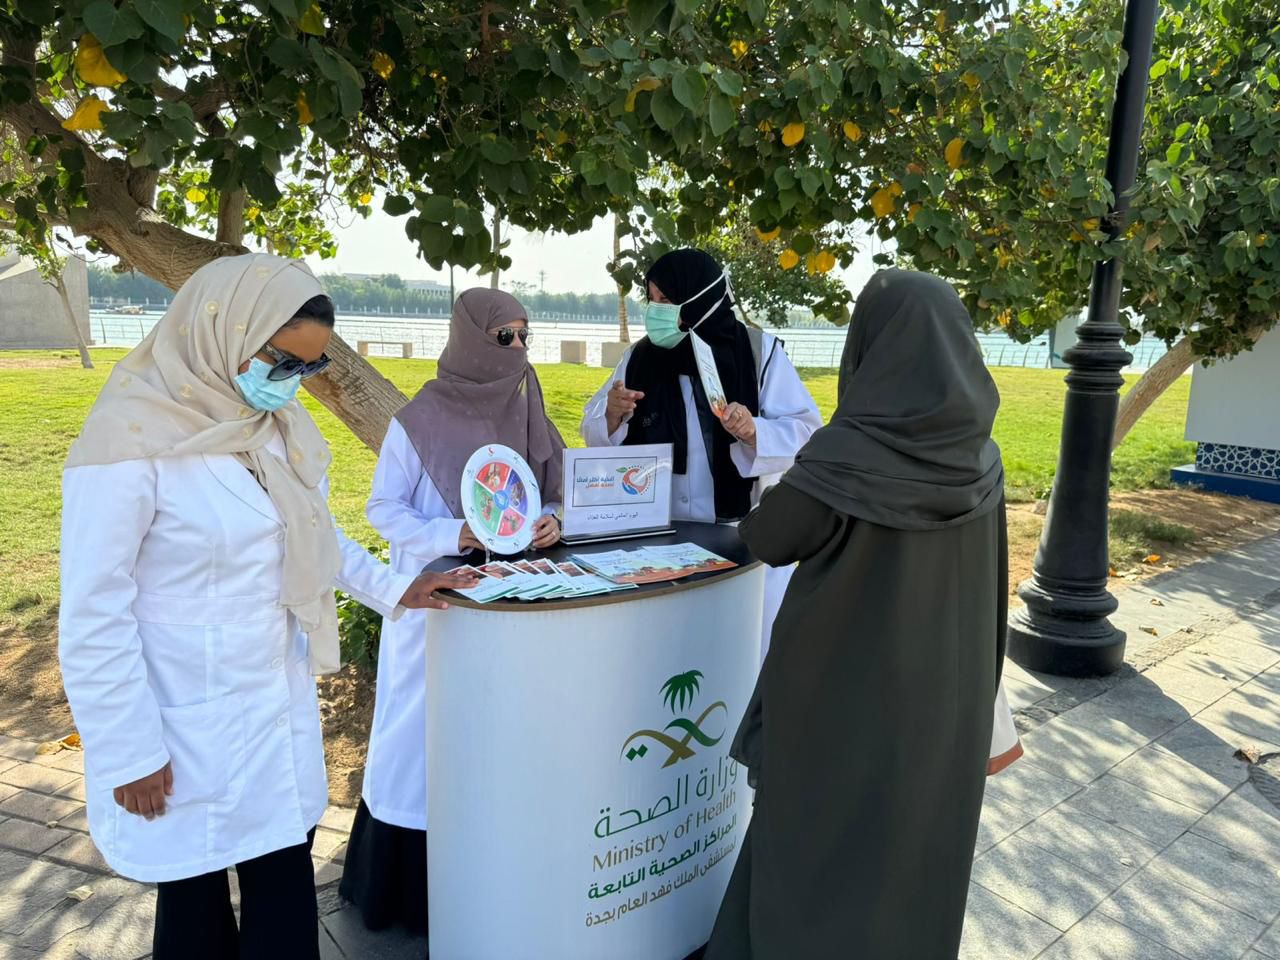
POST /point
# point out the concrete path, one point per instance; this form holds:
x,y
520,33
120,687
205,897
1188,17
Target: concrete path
x,y
1131,830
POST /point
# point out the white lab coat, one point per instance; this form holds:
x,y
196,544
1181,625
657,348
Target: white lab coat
x,y
407,509
174,648
788,417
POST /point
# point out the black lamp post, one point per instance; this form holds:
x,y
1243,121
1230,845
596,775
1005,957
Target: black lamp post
x,y
1063,629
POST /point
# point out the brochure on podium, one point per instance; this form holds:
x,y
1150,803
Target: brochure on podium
x,y
614,493
653,564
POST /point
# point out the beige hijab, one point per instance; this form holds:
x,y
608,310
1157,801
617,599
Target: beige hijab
x,y
175,394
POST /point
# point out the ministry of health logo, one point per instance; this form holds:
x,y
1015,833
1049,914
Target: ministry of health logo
x,y
635,480
679,691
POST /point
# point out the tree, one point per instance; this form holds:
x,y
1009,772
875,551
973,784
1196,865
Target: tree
x,y
766,281
988,169
171,132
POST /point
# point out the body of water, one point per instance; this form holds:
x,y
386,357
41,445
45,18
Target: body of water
x,y
807,347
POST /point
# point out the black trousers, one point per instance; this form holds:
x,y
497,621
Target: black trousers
x,y
278,914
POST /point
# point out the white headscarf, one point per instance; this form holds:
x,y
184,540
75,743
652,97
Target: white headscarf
x,y
175,394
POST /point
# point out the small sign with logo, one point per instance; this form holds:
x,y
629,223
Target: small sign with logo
x,y
617,492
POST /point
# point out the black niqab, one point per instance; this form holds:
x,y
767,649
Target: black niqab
x,y
660,417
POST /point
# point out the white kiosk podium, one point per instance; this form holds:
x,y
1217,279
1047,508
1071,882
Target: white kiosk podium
x,y
581,801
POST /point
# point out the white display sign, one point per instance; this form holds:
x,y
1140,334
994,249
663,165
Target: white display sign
x,y
617,490
582,803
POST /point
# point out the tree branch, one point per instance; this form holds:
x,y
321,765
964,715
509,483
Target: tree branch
x,y
231,216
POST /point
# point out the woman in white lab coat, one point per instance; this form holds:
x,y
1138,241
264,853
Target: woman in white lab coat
x,y
722,462
199,559
486,391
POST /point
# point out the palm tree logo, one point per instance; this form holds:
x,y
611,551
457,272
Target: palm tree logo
x,y
679,687
677,693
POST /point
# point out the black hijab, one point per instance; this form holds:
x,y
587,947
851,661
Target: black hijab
x,y
660,417
909,446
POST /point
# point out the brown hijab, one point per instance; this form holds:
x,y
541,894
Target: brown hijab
x,y
483,393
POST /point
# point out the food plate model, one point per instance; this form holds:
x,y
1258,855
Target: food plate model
x,y
500,499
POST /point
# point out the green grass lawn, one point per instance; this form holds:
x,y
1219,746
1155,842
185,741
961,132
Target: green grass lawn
x,y
43,406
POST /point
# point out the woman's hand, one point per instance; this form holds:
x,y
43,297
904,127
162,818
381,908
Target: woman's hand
x,y
145,796
546,532
419,596
621,405
467,541
739,422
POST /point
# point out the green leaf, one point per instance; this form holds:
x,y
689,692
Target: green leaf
x,y
1174,153
436,241
1182,131
723,115
730,82
688,6
162,16
312,21
643,13
288,54
1273,81
396,206
756,10
436,208
1159,69
689,88
500,152
111,25
666,111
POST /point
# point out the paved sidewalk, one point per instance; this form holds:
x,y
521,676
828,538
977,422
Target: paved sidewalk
x,y
1131,830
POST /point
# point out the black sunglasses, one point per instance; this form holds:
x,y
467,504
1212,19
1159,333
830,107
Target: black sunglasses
x,y
506,335
287,366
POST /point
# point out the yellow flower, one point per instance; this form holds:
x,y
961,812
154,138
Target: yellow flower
x,y
788,259
383,65
895,188
954,153
196,195
912,211
820,262
644,83
304,110
1260,239
738,48
1003,317
792,134
252,213
767,235
852,131
764,126
366,198
1003,257
93,66
88,115
883,202
970,80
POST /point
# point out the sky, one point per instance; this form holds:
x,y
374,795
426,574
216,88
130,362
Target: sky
x,y
557,262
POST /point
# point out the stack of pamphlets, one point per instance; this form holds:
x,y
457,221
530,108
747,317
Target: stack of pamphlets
x,y
653,564
535,580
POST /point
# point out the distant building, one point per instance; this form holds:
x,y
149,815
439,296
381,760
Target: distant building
x,y
31,312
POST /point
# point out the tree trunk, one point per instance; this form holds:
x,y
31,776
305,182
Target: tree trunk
x,y
231,217
357,394
497,247
624,331
1163,374
60,284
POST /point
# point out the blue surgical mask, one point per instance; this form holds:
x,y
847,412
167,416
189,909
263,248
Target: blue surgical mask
x,y
263,394
662,320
